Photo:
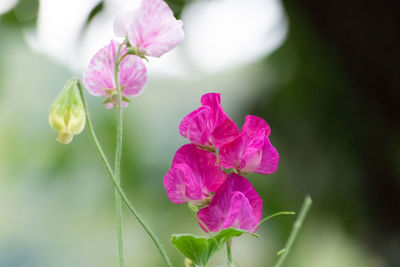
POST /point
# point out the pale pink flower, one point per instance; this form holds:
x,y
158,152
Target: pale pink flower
x,y
152,28
235,204
193,176
251,151
209,126
99,76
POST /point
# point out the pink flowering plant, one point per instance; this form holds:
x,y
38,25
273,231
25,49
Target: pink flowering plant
x,y
208,173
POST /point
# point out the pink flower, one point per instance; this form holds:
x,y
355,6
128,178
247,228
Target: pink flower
x,y
235,204
193,176
99,76
152,28
209,126
251,151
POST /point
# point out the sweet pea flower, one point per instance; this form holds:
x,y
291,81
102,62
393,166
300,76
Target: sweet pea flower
x,y
152,29
209,126
99,76
235,204
193,176
251,151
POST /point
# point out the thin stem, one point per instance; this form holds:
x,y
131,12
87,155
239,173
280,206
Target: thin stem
x,y
295,230
118,153
272,216
229,252
116,184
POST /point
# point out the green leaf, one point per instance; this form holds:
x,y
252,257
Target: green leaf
x,y
201,249
192,247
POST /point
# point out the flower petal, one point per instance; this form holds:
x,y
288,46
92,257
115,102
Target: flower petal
x,y
209,125
251,151
270,158
132,75
235,204
194,175
122,22
154,29
193,127
99,76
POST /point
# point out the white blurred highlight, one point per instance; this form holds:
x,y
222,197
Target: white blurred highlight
x,y
7,5
220,34
227,33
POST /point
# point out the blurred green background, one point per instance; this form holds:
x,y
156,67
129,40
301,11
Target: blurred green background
x,y
330,93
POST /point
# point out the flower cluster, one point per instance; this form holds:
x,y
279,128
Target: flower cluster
x,y
151,30
198,172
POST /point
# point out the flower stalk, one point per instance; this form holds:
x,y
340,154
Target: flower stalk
x,y
118,154
117,186
295,230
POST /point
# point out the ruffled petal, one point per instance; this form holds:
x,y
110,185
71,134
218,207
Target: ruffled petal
x,y
174,183
223,129
270,158
99,76
132,75
251,151
198,172
192,127
241,213
235,204
209,125
154,29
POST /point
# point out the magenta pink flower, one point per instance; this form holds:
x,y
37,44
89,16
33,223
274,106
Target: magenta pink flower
x,y
251,151
99,76
193,176
235,204
209,126
152,29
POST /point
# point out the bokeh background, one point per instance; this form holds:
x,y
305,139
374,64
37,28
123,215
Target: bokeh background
x,y
325,75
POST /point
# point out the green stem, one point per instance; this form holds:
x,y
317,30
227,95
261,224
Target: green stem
x,y
118,153
229,252
295,230
116,184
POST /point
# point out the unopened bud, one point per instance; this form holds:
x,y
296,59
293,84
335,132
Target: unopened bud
x,y
189,263
67,114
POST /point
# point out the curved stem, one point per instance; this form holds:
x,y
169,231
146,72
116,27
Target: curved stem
x,y
229,252
117,185
295,230
118,153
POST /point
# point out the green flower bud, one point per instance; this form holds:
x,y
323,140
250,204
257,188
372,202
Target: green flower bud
x,y
67,114
189,263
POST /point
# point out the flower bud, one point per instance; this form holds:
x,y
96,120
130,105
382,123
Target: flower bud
x,y
67,114
189,263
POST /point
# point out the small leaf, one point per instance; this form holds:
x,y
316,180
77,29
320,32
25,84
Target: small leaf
x,y
192,247
125,99
201,249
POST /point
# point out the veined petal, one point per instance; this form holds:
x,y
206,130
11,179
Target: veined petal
x,y
194,175
251,151
99,76
209,125
270,158
174,182
235,204
241,213
192,127
154,29
132,75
